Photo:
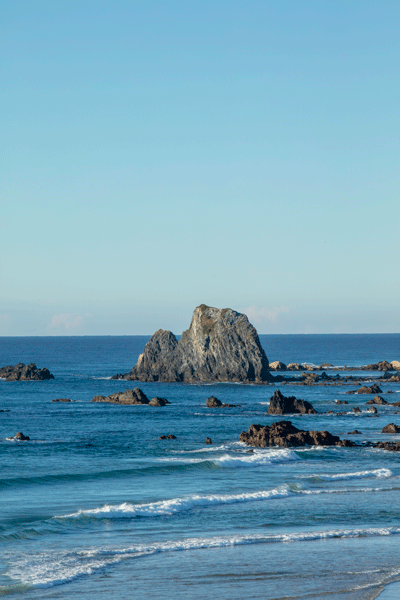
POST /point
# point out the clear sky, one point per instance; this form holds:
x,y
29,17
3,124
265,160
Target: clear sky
x,y
157,155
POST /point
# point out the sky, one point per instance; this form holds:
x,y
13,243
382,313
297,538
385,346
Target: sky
x,y
158,155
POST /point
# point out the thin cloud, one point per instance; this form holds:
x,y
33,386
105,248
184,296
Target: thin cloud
x,y
68,321
262,314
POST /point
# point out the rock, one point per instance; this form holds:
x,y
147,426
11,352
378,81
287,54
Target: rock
x,y
156,401
372,410
282,405
167,437
356,410
61,400
20,437
377,400
341,401
395,365
208,441
295,367
391,428
220,345
374,389
21,372
135,396
277,365
213,402
355,432
286,435
384,365
325,366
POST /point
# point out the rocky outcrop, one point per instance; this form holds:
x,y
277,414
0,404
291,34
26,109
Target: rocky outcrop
x,y
220,345
156,401
21,372
391,428
295,367
167,437
282,405
213,402
135,396
20,437
277,365
208,441
286,435
395,365
377,400
355,432
374,389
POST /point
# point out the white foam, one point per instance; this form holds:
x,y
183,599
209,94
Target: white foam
x,y
256,459
48,569
177,505
381,473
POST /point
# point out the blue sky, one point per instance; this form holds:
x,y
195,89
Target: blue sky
x,y
159,155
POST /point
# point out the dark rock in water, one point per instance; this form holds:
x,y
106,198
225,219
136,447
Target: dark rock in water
x,y
167,437
286,435
4,410
325,366
156,401
391,428
341,401
213,402
294,367
21,372
282,405
391,446
208,441
135,396
377,400
356,410
374,389
372,410
355,432
20,436
61,400
220,345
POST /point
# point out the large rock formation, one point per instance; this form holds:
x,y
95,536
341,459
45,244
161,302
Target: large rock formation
x,y
220,345
286,435
284,405
135,396
21,372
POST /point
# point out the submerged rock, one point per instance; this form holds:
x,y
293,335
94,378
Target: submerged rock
x,y
21,372
220,345
167,437
282,405
61,400
135,396
286,435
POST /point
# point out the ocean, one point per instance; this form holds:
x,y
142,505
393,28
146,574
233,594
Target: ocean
x,y
97,506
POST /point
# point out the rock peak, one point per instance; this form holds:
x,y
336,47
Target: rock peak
x,y
220,345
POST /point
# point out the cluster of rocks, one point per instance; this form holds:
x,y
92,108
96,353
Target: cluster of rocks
x,y
220,345
131,397
383,365
373,389
62,400
22,372
213,402
20,437
286,435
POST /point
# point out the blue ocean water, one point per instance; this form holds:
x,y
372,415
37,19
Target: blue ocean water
x,y
96,505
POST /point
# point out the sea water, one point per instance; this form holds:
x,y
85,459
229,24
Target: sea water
x,y
97,506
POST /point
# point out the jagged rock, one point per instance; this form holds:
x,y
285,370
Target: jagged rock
x,y
213,402
374,389
208,441
391,428
61,400
220,345
341,401
384,365
277,365
295,367
20,437
391,446
355,432
310,378
21,372
282,405
377,400
325,366
372,410
135,396
395,365
156,401
286,435
167,437
356,410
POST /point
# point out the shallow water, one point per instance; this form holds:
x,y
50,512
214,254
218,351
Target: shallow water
x,y
97,505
